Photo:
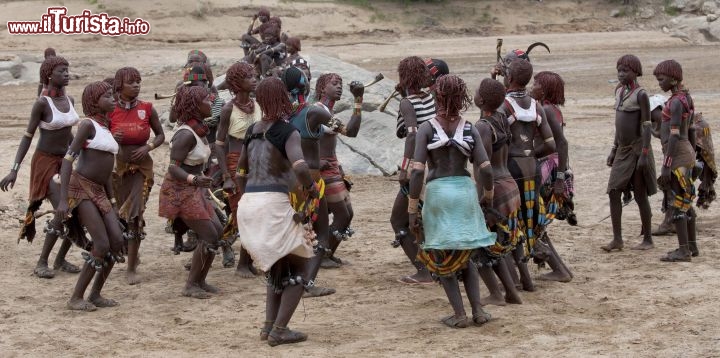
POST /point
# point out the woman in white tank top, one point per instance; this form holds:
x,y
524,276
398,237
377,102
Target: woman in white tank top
x,y
55,116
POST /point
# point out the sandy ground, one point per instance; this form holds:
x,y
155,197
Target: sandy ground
x,y
621,304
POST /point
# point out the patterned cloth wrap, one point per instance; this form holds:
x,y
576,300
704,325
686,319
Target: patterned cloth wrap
x,y
453,225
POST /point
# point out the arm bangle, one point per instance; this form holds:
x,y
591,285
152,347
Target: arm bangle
x,y
151,145
242,173
190,179
28,134
413,205
668,162
418,166
113,201
405,163
15,167
489,193
219,142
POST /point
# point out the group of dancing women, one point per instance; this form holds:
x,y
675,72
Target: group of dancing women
x,y
276,163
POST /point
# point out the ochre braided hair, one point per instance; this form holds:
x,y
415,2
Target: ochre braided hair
x,y
670,68
632,62
294,42
553,87
236,73
322,82
91,95
413,73
47,67
49,52
187,102
520,72
451,97
273,99
125,75
492,93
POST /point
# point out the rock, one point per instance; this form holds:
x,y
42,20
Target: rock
x,y
677,5
693,6
615,13
376,150
5,77
709,8
712,31
647,13
32,58
30,72
712,17
681,35
8,62
17,70
665,30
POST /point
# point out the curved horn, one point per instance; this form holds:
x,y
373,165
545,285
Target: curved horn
x,y
533,45
379,77
387,101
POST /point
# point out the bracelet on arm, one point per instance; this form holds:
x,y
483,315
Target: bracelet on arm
x,y
71,156
413,205
418,166
113,201
191,179
15,167
405,164
28,134
298,162
241,172
489,194
151,145
667,162
560,175
219,142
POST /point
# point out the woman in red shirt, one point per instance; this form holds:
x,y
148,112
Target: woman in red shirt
x,y
130,124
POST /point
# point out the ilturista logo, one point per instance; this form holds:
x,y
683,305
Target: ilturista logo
x,y
57,22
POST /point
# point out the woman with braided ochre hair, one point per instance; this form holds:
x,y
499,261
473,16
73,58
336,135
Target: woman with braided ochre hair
x,y
452,222
236,117
274,234
556,181
182,192
677,167
416,108
87,193
131,123
495,133
54,114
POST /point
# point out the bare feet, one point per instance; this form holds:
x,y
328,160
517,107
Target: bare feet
x,y
317,291
419,278
644,245
245,272
80,305
196,292
285,336
513,298
495,300
676,256
614,245
481,318
66,267
43,271
209,288
456,321
327,263
132,278
557,276
101,301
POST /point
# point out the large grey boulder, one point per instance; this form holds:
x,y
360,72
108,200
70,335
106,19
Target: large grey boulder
x,y
376,150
